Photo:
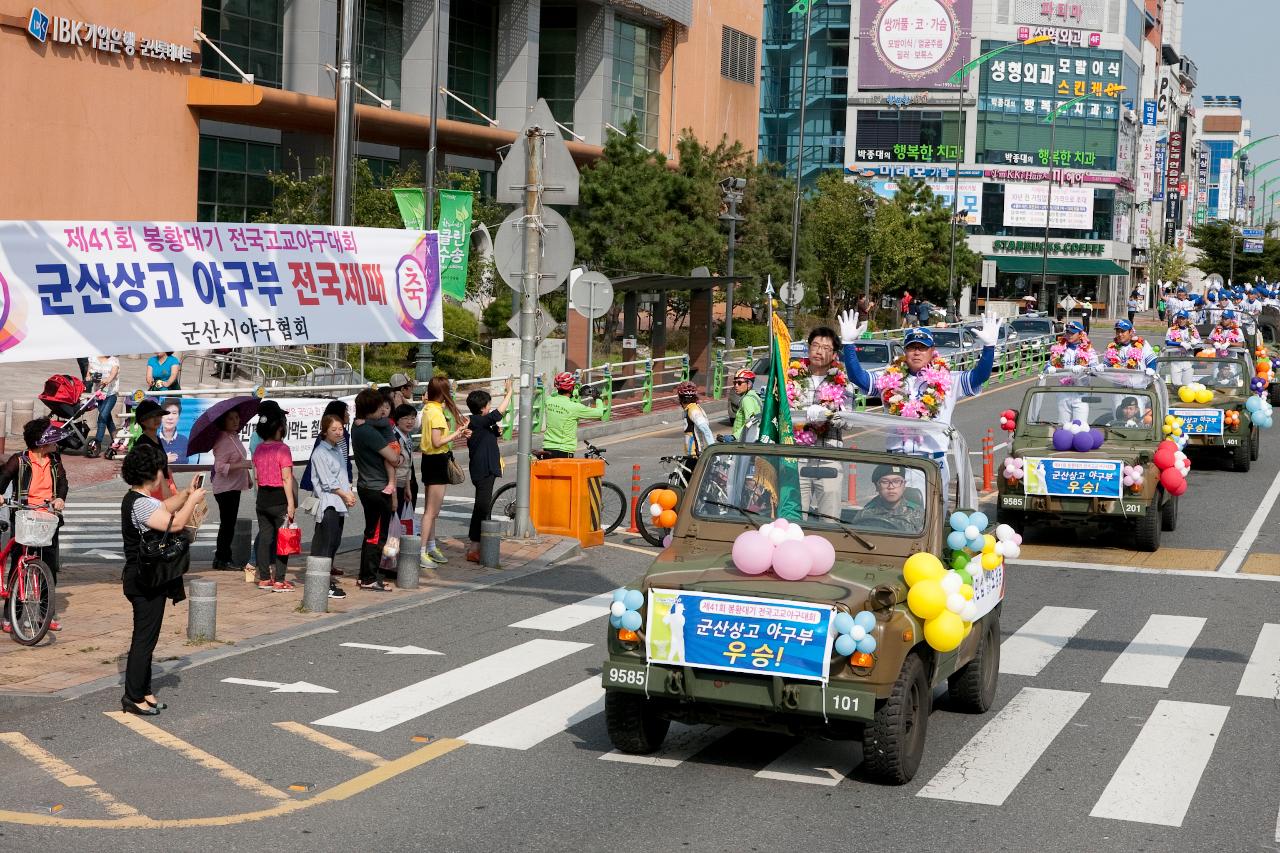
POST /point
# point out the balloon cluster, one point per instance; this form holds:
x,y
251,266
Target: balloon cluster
x,y
1257,384
1174,467
1008,420
853,633
1172,427
1015,468
1262,367
1261,412
782,546
1131,477
1195,392
1231,419
624,612
1077,436
662,507
1275,365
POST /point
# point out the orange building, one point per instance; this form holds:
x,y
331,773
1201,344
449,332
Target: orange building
x,y
179,109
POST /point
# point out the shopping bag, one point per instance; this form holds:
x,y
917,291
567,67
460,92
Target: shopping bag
x,y
288,541
391,552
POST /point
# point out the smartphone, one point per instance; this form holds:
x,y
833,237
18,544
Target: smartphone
x,y
198,481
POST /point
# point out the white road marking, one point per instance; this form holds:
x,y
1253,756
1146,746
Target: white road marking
x,y
1153,657
1159,775
532,724
392,650
1141,570
1261,676
1040,639
1236,556
416,700
569,616
280,686
682,743
995,760
815,762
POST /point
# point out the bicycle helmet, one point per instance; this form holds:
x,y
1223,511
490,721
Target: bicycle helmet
x,y
745,375
565,382
687,392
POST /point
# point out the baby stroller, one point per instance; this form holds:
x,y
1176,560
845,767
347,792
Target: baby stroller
x,y
63,395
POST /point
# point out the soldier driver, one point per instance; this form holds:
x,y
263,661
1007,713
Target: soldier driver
x,y
891,508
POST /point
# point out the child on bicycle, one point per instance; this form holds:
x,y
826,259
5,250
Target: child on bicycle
x,y
38,479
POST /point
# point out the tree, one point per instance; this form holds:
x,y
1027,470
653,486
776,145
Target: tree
x,y
840,236
929,217
1165,263
1214,244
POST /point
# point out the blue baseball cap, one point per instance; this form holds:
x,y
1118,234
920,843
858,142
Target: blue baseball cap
x,y
1075,327
921,336
1228,315
1182,315
1212,296
1124,326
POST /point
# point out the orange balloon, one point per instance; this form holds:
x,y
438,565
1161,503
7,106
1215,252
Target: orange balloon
x,y
665,498
667,519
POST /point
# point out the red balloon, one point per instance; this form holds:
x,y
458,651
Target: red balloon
x,y
1164,454
1179,489
1171,479
1007,413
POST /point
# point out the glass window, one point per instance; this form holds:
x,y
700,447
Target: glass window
x,y
381,168
558,60
923,136
233,183
381,50
637,67
473,50
250,33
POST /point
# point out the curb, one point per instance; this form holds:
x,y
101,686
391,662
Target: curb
x,y
563,550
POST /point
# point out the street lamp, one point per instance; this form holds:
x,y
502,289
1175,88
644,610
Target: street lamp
x,y
731,192
1111,91
805,6
869,211
1231,201
1254,175
957,80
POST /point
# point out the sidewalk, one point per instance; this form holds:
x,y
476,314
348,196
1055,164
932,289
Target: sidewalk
x,y
89,652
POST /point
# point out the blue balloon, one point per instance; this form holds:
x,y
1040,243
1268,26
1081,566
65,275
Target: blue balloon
x,y
845,645
959,521
843,623
979,520
615,621
631,620
867,645
975,545
1265,423
620,593
1253,404
955,540
866,620
634,600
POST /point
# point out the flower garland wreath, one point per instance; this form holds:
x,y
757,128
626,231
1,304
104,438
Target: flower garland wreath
x,y
1058,354
937,384
1129,356
798,372
1225,337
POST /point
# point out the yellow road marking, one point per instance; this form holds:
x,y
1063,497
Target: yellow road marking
x,y
64,773
333,743
1262,564
339,792
648,551
160,737
1192,559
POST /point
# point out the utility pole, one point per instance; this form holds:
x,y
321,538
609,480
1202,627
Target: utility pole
x,y
731,189
423,366
528,300
344,111
804,99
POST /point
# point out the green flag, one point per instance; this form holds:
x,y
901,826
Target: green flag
x,y
413,208
455,241
775,417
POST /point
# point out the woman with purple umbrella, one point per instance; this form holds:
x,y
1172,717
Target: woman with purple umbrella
x,y
218,429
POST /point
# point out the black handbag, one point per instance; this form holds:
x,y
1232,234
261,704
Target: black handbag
x,y
162,557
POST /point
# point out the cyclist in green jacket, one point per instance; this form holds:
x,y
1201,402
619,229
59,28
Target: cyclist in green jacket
x,y
560,439
749,404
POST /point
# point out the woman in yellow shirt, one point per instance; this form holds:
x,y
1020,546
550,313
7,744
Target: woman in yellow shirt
x,y
437,450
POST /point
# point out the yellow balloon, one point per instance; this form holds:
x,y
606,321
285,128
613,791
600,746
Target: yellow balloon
x,y
988,543
1185,394
922,566
991,561
1204,396
944,632
967,591
1166,429
1178,422
968,626
927,599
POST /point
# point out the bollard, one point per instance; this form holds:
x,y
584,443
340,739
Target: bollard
x,y
315,584
202,610
988,460
408,569
635,498
491,533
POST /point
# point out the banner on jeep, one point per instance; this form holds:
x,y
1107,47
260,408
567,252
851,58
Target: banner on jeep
x,y
1073,478
1200,421
765,636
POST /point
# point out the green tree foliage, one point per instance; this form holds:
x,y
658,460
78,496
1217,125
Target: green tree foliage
x,y
1165,263
927,218
840,235
1214,244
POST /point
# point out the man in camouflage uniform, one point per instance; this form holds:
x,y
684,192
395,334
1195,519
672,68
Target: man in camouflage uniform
x,y
890,508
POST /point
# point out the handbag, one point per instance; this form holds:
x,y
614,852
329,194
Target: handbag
x,y
288,541
454,471
162,557
309,504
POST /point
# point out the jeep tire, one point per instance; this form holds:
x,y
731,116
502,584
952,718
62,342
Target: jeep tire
x,y
1255,443
633,725
1146,531
1242,454
893,742
972,688
1169,514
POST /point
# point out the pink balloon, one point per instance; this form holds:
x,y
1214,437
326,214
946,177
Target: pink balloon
x,y
752,552
792,561
666,541
822,552
781,523
1017,538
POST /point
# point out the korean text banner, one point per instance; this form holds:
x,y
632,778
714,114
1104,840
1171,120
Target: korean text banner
x,y
455,241
914,44
302,426
970,196
1024,206
1200,421
736,633
1073,478
70,288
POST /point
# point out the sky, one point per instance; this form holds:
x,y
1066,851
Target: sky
x,y
1233,44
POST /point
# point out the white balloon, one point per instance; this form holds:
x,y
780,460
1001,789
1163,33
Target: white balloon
x,y
857,633
617,608
969,612
655,510
1012,552
1000,548
1004,532
766,528
794,533
956,602
972,532
951,582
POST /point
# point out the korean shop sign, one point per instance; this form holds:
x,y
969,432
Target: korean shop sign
x,y
1088,14
1036,247
103,38
1037,78
915,44
1174,165
1062,35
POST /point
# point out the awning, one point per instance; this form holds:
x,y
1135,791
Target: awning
x,y
1060,266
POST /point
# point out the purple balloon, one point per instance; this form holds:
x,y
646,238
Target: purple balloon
x,y
1062,439
1081,441
752,552
1098,437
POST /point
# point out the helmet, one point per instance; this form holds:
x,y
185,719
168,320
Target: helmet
x,y
565,382
745,375
687,390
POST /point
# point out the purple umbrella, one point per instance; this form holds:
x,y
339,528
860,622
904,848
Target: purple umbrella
x,y
204,432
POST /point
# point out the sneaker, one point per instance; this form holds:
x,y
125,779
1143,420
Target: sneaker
x,y
336,591
282,586
425,561
437,556
268,585
55,625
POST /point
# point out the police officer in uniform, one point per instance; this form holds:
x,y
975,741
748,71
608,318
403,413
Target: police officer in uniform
x,y
890,508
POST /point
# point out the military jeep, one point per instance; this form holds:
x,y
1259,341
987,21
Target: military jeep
x,y
1067,487
1206,425
701,655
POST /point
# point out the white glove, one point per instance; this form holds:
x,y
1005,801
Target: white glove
x,y
989,334
817,413
850,328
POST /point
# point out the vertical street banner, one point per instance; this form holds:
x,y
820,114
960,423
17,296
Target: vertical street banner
x,y
110,287
455,241
413,207
1226,177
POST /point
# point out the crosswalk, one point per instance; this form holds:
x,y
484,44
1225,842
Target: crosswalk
x,y
1168,746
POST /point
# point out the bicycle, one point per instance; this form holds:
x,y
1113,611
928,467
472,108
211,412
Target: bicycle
x,y
613,502
27,590
677,481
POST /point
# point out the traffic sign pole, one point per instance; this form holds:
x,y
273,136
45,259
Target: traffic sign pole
x,y
528,350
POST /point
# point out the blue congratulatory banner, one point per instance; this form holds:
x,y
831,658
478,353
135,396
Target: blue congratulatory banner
x,y
1200,421
1074,478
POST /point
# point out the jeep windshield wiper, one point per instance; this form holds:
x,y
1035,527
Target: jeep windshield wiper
x,y
751,514
849,531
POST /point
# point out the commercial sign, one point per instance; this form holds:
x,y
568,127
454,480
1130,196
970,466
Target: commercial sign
x,y
914,44
1157,188
1142,235
89,286
1202,167
1061,177
103,38
1146,163
1253,247
1173,170
1089,14
1062,35
1025,206
853,173
1149,113
1025,87
1073,478
1226,177
970,195
1036,247
900,153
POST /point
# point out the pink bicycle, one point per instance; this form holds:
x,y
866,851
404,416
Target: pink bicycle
x,y
27,588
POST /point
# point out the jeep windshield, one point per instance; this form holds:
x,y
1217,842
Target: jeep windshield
x,y
1128,414
872,353
1032,328
816,491
1227,374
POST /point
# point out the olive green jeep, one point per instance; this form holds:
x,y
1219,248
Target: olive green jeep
x,y
1223,426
